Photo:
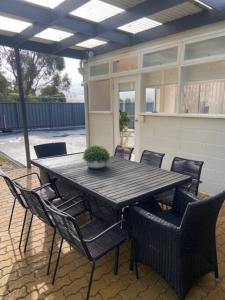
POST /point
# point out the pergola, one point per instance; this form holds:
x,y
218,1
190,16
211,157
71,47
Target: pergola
x,y
86,28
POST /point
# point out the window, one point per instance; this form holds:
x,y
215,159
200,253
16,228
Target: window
x,y
161,57
159,91
204,89
152,96
99,95
98,70
125,64
207,48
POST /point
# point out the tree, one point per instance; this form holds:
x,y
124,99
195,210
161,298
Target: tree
x,y
38,70
50,93
4,87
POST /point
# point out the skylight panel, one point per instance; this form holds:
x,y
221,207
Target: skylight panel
x,y
53,34
97,11
91,43
46,3
13,25
203,4
139,25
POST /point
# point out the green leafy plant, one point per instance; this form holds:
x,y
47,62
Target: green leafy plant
x,y
124,120
96,153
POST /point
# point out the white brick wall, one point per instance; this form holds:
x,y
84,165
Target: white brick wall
x,y
194,138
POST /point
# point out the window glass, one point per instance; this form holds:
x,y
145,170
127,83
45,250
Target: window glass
x,y
162,57
206,48
98,70
159,91
125,64
99,95
204,88
127,100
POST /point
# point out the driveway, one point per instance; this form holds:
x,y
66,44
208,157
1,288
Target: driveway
x,y
12,144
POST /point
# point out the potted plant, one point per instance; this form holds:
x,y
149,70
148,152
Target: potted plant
x,y
96,157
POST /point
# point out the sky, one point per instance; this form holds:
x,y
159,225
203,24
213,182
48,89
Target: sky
x,y
76,90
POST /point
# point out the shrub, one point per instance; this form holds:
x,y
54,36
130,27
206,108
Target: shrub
x,y
96,153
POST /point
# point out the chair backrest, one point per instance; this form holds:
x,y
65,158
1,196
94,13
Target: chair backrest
x,y
151,158
188,167
14,191
69,229
123,152
199,220
36,205
50,149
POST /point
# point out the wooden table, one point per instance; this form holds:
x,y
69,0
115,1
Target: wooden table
x,y
120,184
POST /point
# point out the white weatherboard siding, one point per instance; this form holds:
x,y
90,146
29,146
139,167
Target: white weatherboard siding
x,y
194,138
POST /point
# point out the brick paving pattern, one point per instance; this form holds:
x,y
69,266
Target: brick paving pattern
x,y
23,275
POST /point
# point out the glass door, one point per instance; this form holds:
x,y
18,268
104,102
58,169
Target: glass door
x,y
125,111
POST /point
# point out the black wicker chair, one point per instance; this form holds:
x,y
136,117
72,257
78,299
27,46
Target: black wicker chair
x,y
50,149
153,159
178,243
48,192
74,207
94,239
192,168
123,152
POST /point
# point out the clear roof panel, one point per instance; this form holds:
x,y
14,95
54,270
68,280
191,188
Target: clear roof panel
x,y
139,25
46,3
203,4
13,25
97,11
91,43
53,34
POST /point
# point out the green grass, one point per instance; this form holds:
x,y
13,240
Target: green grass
x,y
2,159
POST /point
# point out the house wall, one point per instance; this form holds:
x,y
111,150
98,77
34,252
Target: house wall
x,y
194,136
190,137
101,130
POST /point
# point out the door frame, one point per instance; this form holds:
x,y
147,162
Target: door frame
x,y
116,82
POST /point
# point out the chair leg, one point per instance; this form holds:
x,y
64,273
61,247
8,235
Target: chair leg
x,y
22,230
90,280
28,233
50,255
132,256
215,263
10,220
135,261
57,262
116,266
136,270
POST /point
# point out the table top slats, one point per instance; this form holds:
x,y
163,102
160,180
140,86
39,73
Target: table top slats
x,y
121,183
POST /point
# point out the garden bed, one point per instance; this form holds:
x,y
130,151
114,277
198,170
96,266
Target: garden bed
x,y
7,164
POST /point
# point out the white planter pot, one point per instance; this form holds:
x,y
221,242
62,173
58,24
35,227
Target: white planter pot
x,y
96,164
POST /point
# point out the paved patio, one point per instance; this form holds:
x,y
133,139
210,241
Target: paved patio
x,y
23,276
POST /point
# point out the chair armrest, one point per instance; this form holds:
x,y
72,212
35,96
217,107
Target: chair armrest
x,y
193,186
69,200
181,200
70,206
30,174
43,186
150,218
152,234
103,232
